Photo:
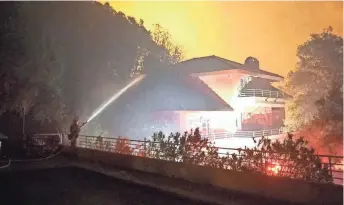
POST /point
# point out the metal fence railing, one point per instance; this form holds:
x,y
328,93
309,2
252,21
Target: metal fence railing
x,y
243,134
271,163
261,93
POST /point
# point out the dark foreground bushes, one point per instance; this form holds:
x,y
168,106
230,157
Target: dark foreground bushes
x,y
289,157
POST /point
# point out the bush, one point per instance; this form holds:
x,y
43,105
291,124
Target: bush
x,y
287,158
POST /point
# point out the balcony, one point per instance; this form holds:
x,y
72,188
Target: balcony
x,y
244,134
261,93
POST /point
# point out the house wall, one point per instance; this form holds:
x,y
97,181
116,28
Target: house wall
x,y
166,121
207,121
262,118
225,84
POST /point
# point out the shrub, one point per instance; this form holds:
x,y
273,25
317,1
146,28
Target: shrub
x,y
289,157
122,146
286,158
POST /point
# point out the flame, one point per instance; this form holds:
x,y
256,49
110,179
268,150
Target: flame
x,y
274,168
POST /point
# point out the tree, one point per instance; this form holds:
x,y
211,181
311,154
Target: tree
x,y
37,69
171,53
56,57
159,57
316,87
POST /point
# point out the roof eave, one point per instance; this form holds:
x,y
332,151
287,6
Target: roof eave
x,y
227,66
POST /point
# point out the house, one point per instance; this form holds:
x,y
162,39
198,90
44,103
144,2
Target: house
x,y
164,102
258,106
225,99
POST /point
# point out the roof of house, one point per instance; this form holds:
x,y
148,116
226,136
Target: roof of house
x,y
133,110
171,93
215,63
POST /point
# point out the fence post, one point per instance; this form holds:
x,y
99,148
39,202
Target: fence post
x,y
263,162
330,166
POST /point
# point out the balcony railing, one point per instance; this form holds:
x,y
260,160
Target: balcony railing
x,y
243,134
260,93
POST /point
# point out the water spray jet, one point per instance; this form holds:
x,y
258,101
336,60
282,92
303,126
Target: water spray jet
x,y
114,97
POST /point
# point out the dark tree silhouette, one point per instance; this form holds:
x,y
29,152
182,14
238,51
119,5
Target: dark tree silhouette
x,y
60,59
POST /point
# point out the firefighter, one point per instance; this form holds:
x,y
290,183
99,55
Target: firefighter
x,y
74,131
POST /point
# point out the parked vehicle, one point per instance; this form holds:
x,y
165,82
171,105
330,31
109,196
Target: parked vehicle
x,y
44,144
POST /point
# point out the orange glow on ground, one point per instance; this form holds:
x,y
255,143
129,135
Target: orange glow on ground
x,y
270,31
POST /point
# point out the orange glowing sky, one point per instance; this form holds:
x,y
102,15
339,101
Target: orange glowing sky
x,y
270,31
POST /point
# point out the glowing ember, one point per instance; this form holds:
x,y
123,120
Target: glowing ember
x,y
274,168
114,97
